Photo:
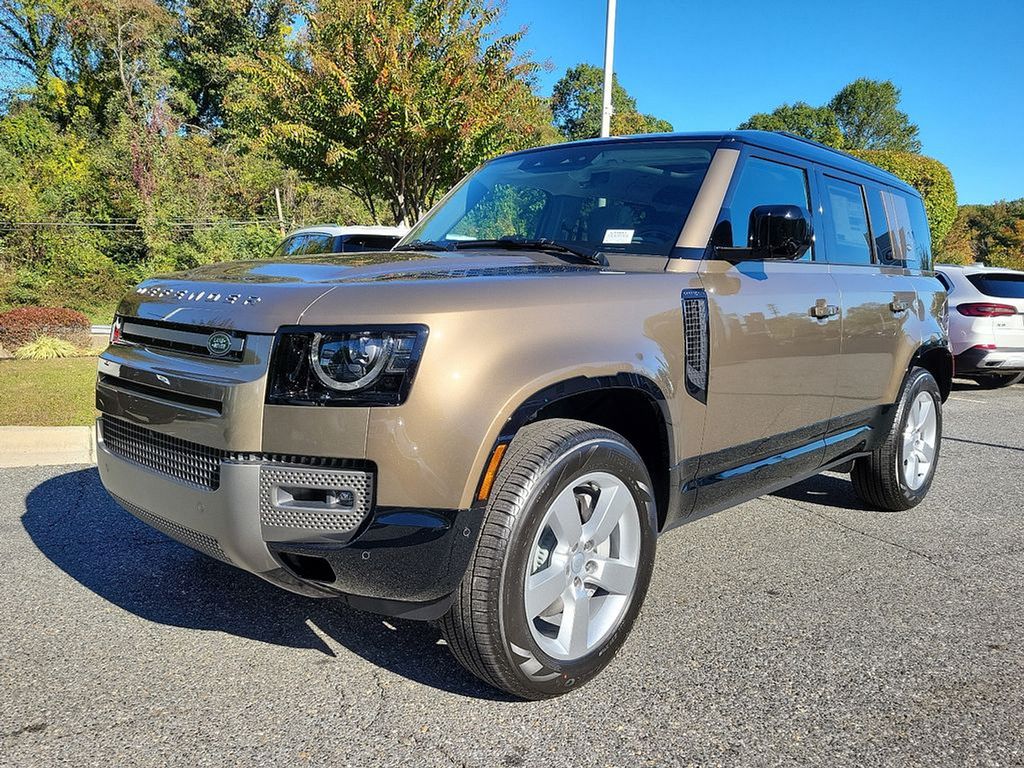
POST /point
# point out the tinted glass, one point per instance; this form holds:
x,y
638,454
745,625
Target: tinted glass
x,y
364,243
849,240
911,238
884,251
764,182
1003,286
292,245
316,243
619,197
945,281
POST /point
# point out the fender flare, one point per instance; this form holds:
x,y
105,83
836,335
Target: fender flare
x,y
528,409
934,348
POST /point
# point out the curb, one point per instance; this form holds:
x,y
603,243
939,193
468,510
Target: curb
x,y
41,446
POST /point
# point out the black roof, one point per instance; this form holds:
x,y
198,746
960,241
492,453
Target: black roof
x,y
784,143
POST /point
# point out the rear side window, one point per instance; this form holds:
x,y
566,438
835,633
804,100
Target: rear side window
x,y
362,243
1000,286
764,182
908,227
850,241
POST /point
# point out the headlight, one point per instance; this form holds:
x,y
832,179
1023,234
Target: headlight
x,y
345,366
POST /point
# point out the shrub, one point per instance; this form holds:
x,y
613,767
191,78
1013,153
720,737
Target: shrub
x,y
23,325
929,177
45,348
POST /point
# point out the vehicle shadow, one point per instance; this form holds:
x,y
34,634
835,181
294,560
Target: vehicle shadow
x,y
824,490
75,523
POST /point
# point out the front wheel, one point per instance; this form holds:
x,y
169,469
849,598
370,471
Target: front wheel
x,y
562,564
898,473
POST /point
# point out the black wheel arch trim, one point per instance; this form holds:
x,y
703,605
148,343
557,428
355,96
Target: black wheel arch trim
x,y
933,348
528,409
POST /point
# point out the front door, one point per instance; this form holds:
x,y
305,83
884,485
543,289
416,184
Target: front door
x,y
774,347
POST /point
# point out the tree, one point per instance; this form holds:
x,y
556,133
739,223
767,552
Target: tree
x,y
864,114
577,100
392,99
815,123
31,32
929,177
869,117
211,34
994,234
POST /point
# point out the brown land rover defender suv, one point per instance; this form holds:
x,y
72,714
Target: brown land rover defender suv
x,y
579,348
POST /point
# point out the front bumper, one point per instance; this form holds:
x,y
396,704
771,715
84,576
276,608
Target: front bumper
x,y
400,562
977,360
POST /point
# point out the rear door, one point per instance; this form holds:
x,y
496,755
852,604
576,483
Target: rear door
x,y
774,344
878,297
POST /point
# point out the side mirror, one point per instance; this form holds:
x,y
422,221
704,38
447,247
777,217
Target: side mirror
x,y
779,232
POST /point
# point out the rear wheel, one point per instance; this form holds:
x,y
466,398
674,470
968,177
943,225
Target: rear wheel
x,y
898,473
998,380
563,561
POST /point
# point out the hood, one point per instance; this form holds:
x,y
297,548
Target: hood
x,y
261,296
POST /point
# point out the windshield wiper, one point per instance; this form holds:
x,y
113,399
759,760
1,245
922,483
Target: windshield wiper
x,y
538,244
422,245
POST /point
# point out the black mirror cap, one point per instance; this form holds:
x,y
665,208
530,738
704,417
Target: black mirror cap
x,y
780,231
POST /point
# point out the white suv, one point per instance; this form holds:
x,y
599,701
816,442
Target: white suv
x,y
986,322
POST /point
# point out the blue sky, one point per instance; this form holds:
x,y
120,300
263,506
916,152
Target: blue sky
x,y
708,65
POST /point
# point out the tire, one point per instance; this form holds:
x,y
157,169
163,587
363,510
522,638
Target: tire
x,y
891,477
998,380
551,467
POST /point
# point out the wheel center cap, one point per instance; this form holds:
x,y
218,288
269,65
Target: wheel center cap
x,y
577,562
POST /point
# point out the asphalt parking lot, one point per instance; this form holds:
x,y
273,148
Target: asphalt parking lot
x,y
796,629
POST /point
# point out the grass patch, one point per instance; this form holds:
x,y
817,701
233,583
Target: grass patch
x,y
48,393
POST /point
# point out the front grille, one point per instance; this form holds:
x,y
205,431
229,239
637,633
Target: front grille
x,y
191,463
190,538
696,342
178,337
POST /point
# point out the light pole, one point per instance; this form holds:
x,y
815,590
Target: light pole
x,y
609,56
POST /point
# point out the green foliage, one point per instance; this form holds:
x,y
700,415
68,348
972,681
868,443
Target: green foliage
x,y
993,234
211,35
815,123
869,117
393,99
576,105
929,177
45,348
864,114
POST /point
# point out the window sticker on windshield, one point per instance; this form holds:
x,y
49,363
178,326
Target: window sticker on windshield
x,y
618,236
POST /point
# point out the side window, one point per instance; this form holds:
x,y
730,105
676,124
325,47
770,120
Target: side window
x,y
765,182
849,239
317,243
945,281
885,251
364,243
909,225
292,246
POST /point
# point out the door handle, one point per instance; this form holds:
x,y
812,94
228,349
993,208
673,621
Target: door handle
x,y
899,305
823,310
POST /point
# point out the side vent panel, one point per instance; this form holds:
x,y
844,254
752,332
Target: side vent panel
x,y
696,343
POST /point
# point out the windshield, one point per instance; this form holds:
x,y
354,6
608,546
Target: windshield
x,y
620,197
1002,286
